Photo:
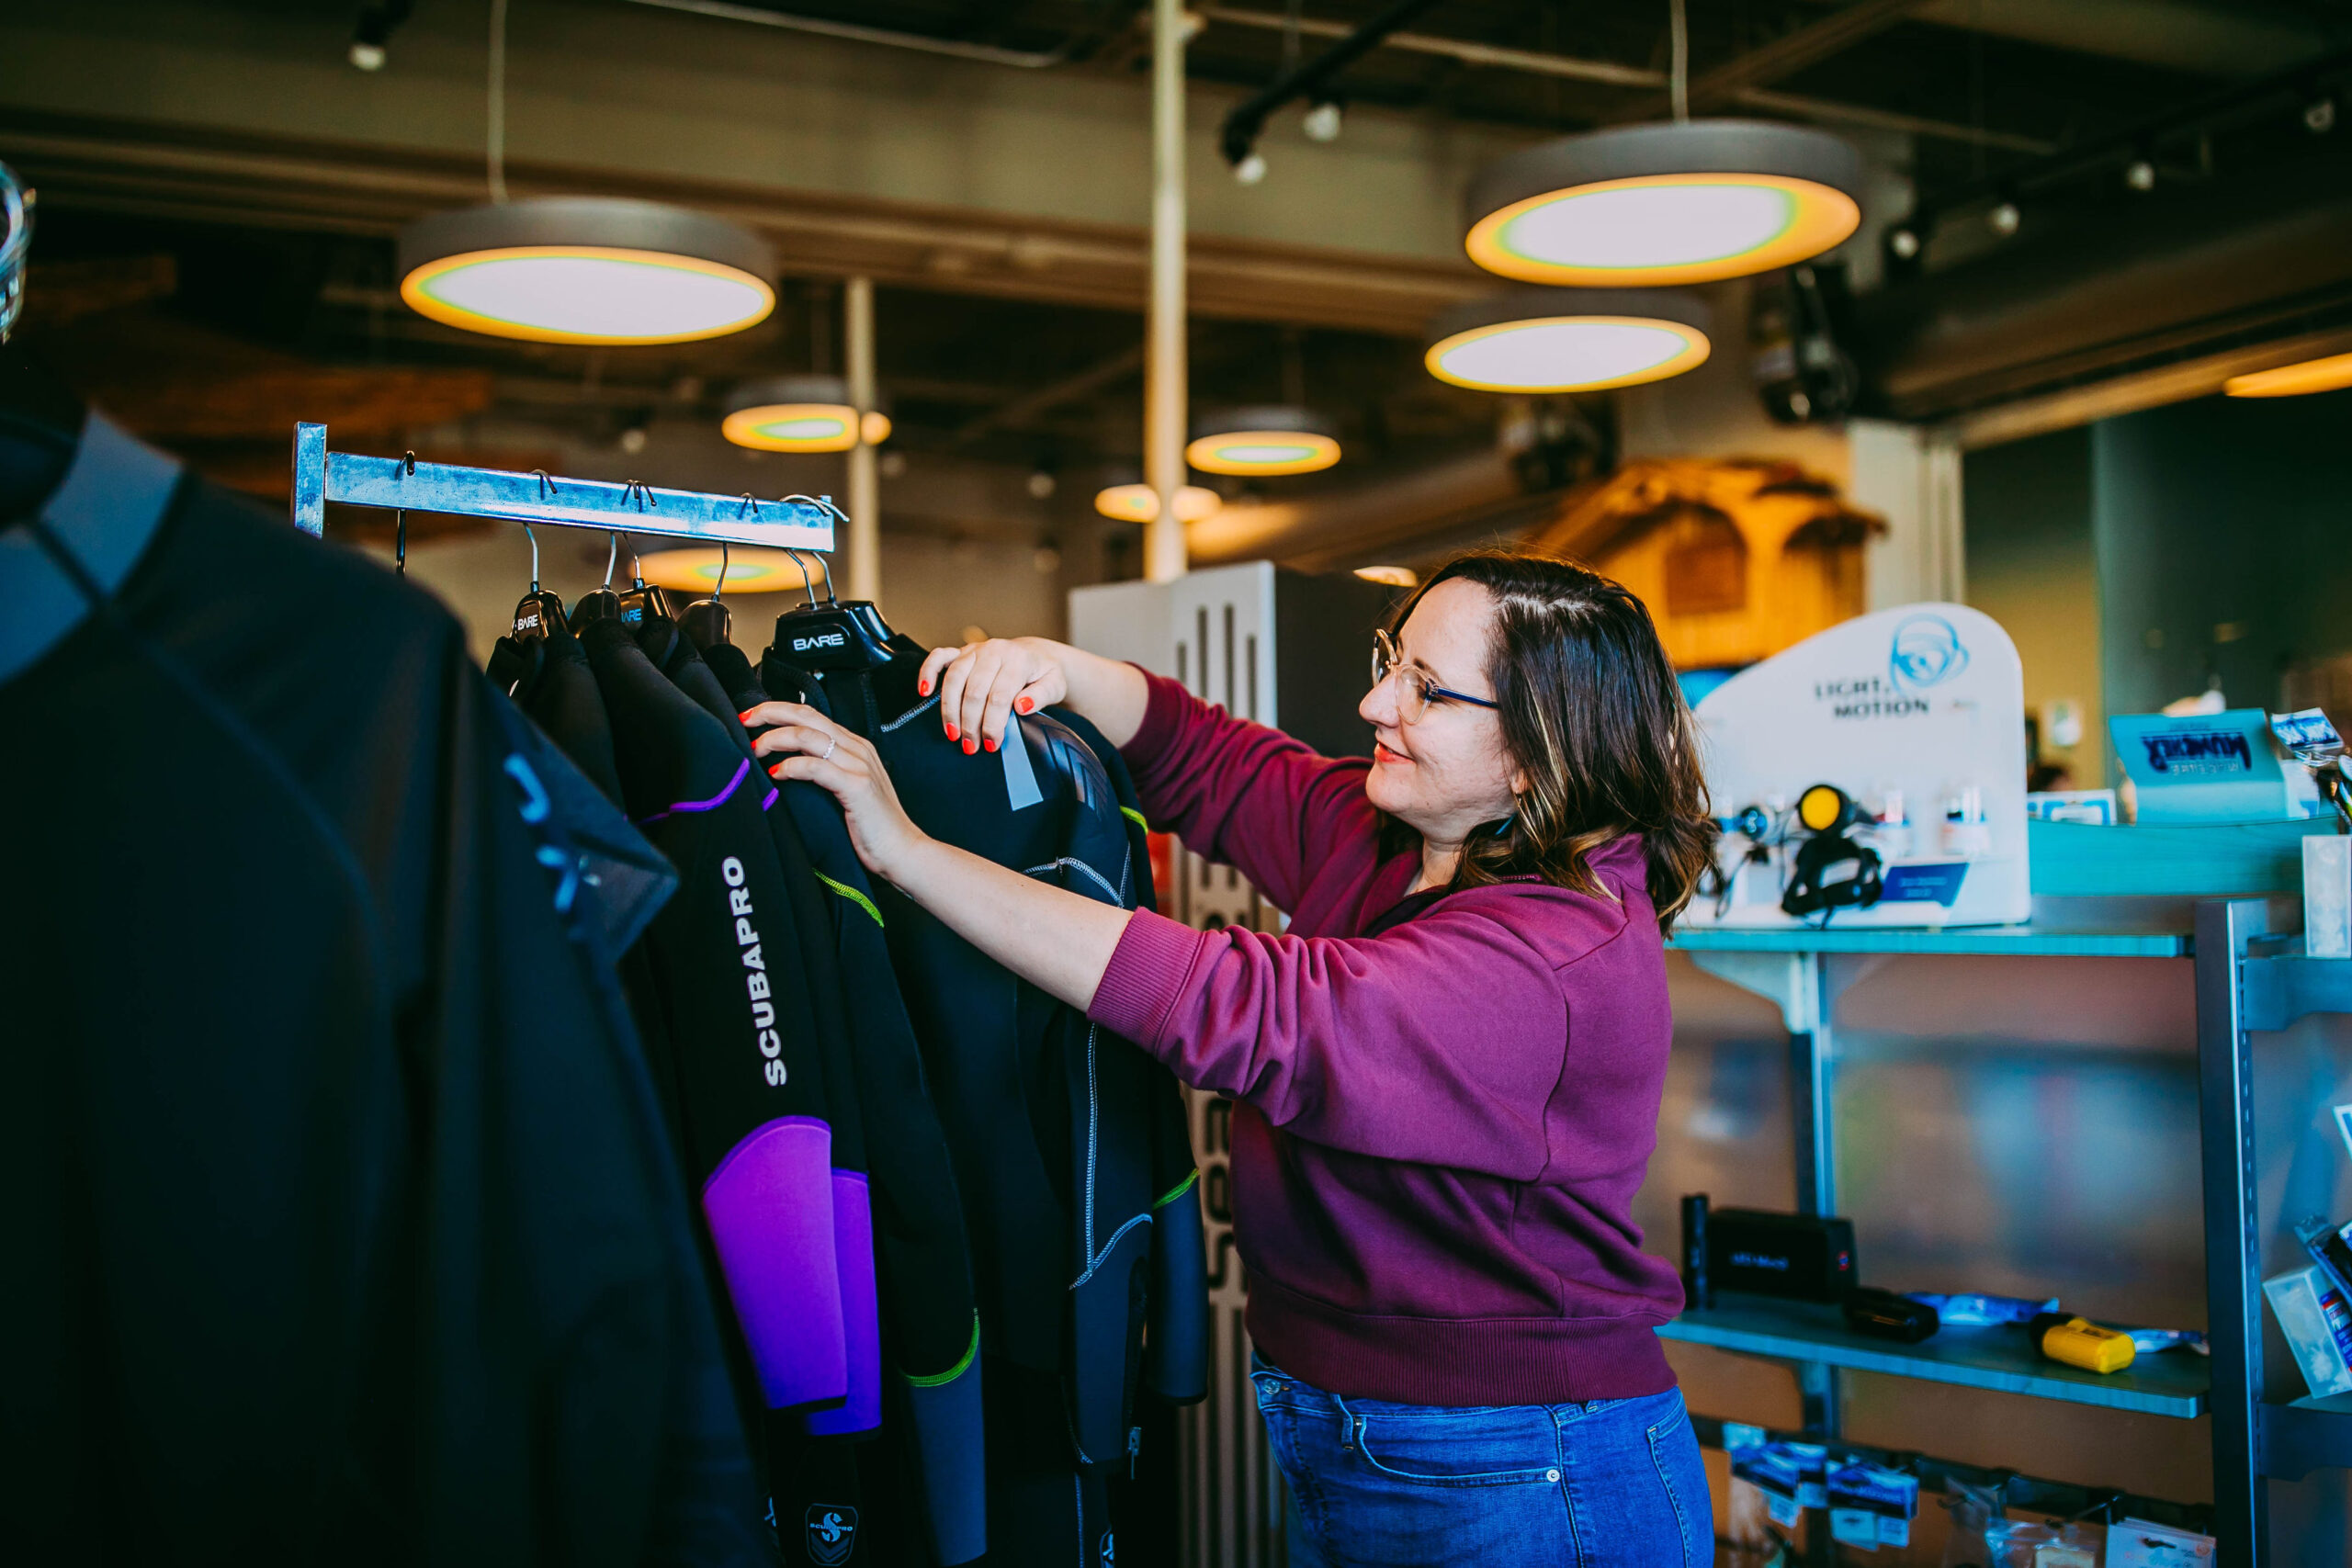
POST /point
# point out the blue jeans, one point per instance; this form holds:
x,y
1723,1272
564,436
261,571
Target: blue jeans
x,y
1610,1483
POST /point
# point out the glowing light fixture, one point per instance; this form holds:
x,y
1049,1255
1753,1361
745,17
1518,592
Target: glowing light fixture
x,y
586,269
801,413
2325,374
1280,439
1653,205
1569,339
1394,576
1140,503
750,570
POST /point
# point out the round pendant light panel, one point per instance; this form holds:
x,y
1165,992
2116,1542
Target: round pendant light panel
x,y
1649,206
1275,439
801,413
586,270
1569,339
1140,502
750,570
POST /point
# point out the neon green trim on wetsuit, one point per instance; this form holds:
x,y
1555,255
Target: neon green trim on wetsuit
x,y
958,1370
853,894
1132,815
1175,1192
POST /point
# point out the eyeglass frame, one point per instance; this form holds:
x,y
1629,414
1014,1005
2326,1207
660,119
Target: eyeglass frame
x,y
1387,659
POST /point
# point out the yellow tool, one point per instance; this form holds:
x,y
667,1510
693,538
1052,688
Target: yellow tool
x,y
2079,1342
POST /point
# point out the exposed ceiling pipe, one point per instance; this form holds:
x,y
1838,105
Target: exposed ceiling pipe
x,y
1239,137
1023,60
1786,55
1611,75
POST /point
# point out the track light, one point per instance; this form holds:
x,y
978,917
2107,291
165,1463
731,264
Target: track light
x,y
1904,243
1250,170
2319,115
1322,122
372,32
2003,219
2140,174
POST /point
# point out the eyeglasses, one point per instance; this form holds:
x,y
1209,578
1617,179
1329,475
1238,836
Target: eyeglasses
x,y
1415,691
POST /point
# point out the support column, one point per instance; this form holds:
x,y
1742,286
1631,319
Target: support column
x,y
1165,394
865,553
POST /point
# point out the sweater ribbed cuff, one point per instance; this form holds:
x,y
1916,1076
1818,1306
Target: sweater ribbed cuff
x,y
1148,970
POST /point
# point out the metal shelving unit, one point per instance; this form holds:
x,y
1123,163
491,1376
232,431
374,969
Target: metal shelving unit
x,y
2248,982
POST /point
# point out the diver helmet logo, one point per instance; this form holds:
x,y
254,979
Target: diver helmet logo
x,y
1926,652
832,1532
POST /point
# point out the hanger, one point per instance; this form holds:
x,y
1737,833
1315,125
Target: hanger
x,y
839,635
600,604
538,610
706,621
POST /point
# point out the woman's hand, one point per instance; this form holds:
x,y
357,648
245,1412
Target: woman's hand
x,y
811,746
983,684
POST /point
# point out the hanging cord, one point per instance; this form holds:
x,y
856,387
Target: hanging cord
x,y
1679,78
495,142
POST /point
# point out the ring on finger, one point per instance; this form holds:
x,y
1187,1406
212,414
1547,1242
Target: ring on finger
x,y
831,747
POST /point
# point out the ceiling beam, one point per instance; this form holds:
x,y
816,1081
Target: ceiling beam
x,y
1784,56
1069,388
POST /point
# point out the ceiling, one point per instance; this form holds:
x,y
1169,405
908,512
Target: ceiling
x,y
1991,93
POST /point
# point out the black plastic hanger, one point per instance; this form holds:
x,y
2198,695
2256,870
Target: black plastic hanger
x,y
600,604
538,610
707,621
836,635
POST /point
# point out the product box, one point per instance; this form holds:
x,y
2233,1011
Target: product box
x,y
2207,767
1869,1507
2313,1315
2096,807
1808,1257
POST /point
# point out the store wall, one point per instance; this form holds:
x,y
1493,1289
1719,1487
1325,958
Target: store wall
x,y
2221,527
2032,567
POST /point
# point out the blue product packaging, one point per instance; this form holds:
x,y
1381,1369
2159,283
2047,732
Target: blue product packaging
x,y
2207,767
1870,1507
2148,1341
1776,1472
1983,1312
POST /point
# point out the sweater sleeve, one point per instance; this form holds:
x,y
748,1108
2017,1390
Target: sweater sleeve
x,y
1244,795
1439,1041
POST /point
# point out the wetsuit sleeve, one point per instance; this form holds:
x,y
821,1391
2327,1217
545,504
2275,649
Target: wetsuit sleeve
x,y
1439,1041
1243,794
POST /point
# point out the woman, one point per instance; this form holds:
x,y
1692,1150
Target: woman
x,y
1447,1070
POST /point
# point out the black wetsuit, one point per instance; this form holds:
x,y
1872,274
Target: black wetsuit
x,y
1060,1136
341,1224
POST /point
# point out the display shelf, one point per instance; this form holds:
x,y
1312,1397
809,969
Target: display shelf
x,y
2031,940
2281,989
2170,1383
2306,1434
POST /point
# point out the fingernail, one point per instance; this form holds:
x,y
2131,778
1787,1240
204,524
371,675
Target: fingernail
x,y
987,745
777,771
951,732
922,688
969,748
1027,702
745,716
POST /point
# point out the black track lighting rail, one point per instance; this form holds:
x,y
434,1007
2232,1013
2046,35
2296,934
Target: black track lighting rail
x,y
1248,120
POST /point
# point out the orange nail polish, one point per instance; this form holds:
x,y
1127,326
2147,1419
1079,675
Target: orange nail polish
x,y
745,716
969,748
1027,704
951,732
922,688
777,771
987,745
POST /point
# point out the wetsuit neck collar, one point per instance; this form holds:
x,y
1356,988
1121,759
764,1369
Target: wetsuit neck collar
x,y
57,567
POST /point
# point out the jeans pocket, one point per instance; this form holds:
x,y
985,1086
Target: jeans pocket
x,y
1500,1446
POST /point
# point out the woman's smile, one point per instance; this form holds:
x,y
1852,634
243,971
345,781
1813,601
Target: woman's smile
x,y
1383,757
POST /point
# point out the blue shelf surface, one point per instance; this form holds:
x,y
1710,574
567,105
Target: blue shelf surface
x,y
2174,1383
2033,939
2307,1435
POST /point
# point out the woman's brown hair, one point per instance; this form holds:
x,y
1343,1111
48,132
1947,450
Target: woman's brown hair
x,y
1592,713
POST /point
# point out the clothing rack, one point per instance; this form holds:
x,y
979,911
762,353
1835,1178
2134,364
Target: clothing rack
x,y
404,484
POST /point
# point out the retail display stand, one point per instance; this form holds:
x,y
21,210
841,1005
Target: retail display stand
x,y
404,484
2248,983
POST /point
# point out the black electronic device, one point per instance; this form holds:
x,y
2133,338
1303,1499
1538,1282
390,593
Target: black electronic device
x,y
1698,1291
1883,1314
1827,812
1809,1257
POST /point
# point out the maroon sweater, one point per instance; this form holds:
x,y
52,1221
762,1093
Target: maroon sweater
x,y
1441,1126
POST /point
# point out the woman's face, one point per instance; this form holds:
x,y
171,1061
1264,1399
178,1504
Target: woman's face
x,y
1449,772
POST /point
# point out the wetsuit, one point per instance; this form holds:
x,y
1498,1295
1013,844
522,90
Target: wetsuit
x,y
341,1223
1056,1131
930,1320
734,999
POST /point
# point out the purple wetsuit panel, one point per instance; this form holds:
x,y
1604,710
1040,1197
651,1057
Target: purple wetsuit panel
x,y
853,1254
770,1204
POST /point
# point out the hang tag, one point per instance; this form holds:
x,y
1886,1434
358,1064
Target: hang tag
x,y
1020,779
1855,1528
2135,1543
